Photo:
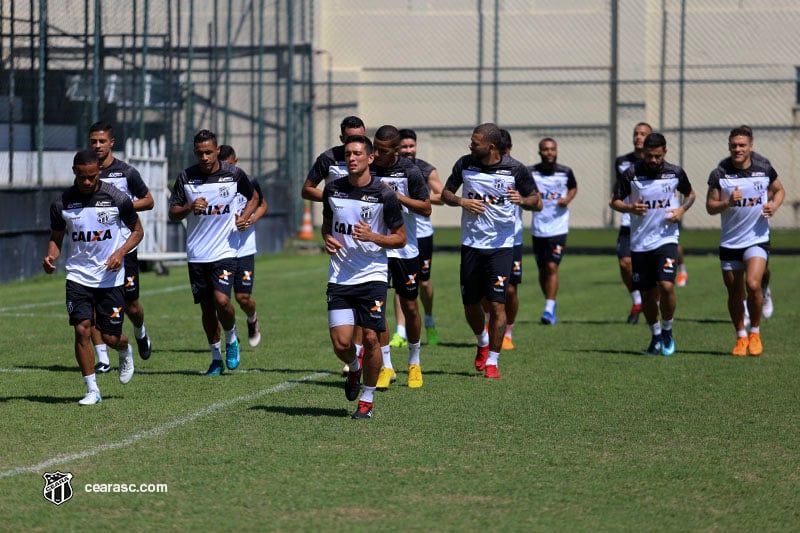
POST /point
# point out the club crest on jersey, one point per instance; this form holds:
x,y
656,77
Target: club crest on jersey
x,y
57,487
366,212
666,187
105,217
499,184
224,192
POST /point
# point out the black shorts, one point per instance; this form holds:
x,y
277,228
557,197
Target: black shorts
x,y
404,277
103,307
516,266
206,278
131,265
367,300
549,249
425,245
245,274
484,274
734,258
624,242
654,266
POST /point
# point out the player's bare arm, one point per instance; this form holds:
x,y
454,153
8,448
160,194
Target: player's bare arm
x,y
363,232
53,251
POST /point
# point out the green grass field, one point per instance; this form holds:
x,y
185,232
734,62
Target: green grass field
x,y
582,433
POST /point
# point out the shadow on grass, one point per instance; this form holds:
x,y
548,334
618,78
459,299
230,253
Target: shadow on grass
x,y
301,411
48,399
51,368
640,353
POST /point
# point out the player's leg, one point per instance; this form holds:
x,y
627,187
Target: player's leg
x,y
221,279
133,308
109,305
755,260
243,291
666,258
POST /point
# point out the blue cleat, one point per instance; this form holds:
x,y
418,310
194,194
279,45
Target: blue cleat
x,y
232,354
549,318
667,343
215,369
655,347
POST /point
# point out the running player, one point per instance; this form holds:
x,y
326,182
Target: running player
x,y
649,190
128,180
549,227
205,194
361,218
92,214
492,186
245,275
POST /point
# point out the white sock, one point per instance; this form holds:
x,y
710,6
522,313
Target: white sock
x,y
741,333
682,268
358,347
367,394
493,357
636,296
655,329
386,355
510,331
755,330
252,318
139,333
401,330
666,325
429,323
91,383
216,351
354,365
102,353
549,306
483,338
230,336
413,353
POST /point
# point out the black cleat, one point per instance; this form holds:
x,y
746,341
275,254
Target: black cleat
x,y
102,368
144,347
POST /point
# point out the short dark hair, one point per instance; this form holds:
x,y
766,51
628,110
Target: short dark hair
x,y
547,139
645,124
387,132
101,126
742,130
360,139
350,123
204,135
655,140
491,132
505,141
85,157
407,133
226,151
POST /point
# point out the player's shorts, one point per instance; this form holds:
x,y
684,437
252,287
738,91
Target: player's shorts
x,y
206,278
131,265
245,274
734,258
103,307
549,249
484,274
624,242
516,266
653,266
425,245
363,304
404,276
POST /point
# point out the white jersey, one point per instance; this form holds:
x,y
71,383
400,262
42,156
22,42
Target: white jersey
x,y
743,224
496,226
329,166
424,225
404,177
127,179
247,237
623,163
93,228
553,183
660,191
211,235
344,206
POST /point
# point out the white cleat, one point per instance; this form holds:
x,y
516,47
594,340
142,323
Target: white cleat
x,y
767,308
126,365
92,397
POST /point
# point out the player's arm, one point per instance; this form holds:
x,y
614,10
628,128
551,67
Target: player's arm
x,y
714,203
396,239
449,197
116,260
179,205
435,187
775,195
53,251
571,193
332,244
310,191
261,210
688,201
420,207
144,204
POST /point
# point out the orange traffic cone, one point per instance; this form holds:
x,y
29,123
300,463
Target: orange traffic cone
x,y
306,228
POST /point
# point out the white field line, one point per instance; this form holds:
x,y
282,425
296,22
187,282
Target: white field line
x,y
172,424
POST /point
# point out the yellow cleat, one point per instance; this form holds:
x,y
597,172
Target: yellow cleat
x,y
385,378
754,344
414,377
508,344
740,350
